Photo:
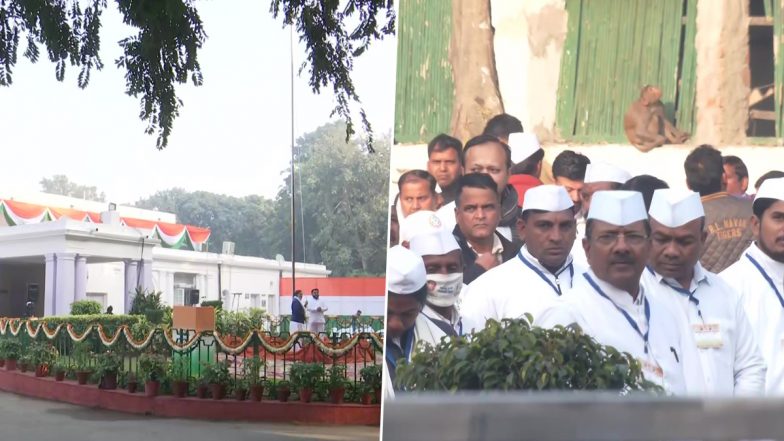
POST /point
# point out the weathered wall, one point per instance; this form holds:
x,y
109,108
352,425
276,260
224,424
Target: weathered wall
x,y
723,78
529,38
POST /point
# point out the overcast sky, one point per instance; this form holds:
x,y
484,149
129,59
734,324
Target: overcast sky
x,y
232,135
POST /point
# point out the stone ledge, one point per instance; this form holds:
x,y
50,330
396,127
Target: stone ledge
x,y
190,408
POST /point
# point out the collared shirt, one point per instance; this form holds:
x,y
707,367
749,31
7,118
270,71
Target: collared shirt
x,y
315,315
730,357
763,307
517,287
578,253
669,358
497,249
455,322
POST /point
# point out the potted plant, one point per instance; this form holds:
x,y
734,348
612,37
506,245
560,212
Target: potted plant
x,y
107,366
40,356
61,368
337,383
82,362
251,370
12,350
179,370
240,389
304,377
282,390
365,392
202,389
25,362
152,368
216,374
371,375
131,382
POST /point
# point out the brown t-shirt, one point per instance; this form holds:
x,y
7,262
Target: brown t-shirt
x,y
727,221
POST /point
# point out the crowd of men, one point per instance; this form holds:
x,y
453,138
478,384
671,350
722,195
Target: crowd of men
x,y
688,281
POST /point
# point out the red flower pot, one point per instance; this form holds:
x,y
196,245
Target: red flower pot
x,y
180,389
109,381
59,376
256,392
41,370
201,391
240,394
283,394
336,395
82,377
22,367
218,391
10,365
367,399
133,386
305,394
151,388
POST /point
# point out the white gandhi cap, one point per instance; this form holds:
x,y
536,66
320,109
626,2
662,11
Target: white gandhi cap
x,y
522,146
617,207
771,189
604,172
673,208
405,271
433,243
547,198
422,221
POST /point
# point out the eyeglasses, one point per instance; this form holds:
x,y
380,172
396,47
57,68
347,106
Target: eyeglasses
x,y
611,238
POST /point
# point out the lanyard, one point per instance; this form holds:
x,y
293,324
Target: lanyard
x,y
556,288
626,315
408,345
767,278
686,292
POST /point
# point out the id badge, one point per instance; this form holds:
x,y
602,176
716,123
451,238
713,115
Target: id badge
x,y
708,336
651,370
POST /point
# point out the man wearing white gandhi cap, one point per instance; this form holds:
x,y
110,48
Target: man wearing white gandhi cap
x,y
444,267
759,278
609,304
730,357
599,176
542,269
406,295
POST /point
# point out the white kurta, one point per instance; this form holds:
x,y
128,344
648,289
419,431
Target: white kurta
x,y
764,308
671,360
516,287
729,354
313,305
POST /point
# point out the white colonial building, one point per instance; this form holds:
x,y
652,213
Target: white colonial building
x,y
55,250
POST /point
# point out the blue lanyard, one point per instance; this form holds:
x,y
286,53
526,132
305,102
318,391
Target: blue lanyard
x,y
767,278
538,272
681,290
626,314
408,346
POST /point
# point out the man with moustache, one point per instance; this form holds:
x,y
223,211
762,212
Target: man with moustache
x,y
540,272
609,303
729,354
477,213
444,162
759,278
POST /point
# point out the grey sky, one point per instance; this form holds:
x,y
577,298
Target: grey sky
x,y
232,135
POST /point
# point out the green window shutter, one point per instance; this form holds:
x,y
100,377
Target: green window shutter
x,y
425,90
612,49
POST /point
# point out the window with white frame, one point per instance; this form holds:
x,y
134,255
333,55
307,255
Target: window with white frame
x,y
255,300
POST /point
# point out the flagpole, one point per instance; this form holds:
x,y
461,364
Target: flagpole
x,y
293,193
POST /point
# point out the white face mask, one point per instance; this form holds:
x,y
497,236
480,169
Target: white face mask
x,y
444,289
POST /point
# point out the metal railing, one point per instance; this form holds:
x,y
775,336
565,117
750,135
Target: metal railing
x,y
571,416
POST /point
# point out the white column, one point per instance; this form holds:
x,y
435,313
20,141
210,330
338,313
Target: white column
x,y
64,284
80,278
49,286
146,279
131,273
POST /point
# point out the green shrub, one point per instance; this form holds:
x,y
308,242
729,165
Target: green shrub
x,y
337,376
217,304
306,375
251,370
152,367
233,323
148,304
371,376
107,363
86,307
83,357
179,368
216,372
42,354
11,348
513,355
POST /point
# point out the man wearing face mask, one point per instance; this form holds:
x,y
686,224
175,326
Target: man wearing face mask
x,y
540,271
444,266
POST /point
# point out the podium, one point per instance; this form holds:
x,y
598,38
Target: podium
x,y
195,318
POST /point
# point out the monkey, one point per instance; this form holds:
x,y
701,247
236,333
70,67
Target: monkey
x,y
646,126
